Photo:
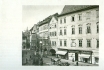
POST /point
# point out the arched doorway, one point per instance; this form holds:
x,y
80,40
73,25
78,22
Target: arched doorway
x,y
53,52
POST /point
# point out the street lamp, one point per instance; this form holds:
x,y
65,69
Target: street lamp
x,y
41,46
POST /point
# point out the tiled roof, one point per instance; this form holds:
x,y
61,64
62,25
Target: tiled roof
x,y
73,8
48,19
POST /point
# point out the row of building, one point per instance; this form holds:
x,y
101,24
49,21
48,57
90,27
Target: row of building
x,y
72,35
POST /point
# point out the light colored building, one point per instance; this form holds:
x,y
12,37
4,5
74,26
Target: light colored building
x,y
78,33
53,33
44,35
43,32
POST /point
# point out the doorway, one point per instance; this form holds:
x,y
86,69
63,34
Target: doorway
x,y
76,56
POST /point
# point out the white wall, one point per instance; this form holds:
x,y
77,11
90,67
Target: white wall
x,y
93,36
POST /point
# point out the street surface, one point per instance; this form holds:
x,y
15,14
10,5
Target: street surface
x,y
47,62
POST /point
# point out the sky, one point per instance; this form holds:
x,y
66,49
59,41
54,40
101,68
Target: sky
x,y
32,14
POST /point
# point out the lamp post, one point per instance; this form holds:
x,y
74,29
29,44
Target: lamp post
x,y
41,47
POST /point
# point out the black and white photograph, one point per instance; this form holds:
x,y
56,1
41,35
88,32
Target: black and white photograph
x,y
60,35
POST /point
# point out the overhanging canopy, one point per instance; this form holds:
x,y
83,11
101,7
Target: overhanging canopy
x,y
61,52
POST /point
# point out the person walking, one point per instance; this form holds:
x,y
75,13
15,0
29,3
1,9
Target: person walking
x,y
76,63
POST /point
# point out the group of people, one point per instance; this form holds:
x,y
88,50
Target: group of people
x,y
58,62
38,60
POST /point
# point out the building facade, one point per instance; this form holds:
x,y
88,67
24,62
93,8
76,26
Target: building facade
x,y
44,33
34,42
26,40
78,33
53,34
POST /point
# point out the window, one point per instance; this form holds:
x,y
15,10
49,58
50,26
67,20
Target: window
x,y
73,19
64,20
50,33
60,32
55,33
73,30
50,27
73,44
60,21
97,28
64,31
80,17
88,14
60,42
55,43
65,42
97,43
52,43
88,43
97,13
80,43
80,30
88,29
55,25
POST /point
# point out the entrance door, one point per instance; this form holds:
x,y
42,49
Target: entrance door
x,y
76,56
86,60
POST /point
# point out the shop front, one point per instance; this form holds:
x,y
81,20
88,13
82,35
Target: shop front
x,y
79,55
62,54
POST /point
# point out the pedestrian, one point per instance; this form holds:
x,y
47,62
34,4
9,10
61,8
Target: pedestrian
x,y
76,63
73,60
41,61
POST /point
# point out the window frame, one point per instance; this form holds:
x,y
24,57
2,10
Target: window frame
x,y
80,17
80,29
60,21
89,43
65,20
65,42
88,29
73,31
64,31
73,18
60,42
60,31
73,42
80,42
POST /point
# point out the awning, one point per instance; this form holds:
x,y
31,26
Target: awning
x,y
61,52
84,56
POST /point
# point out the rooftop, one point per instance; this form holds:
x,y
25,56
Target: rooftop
x,y
48,19
74,8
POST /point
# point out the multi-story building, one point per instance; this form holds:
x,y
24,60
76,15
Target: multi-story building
x,y
53,33
34,37
23,41
78,33
26,39
43,32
